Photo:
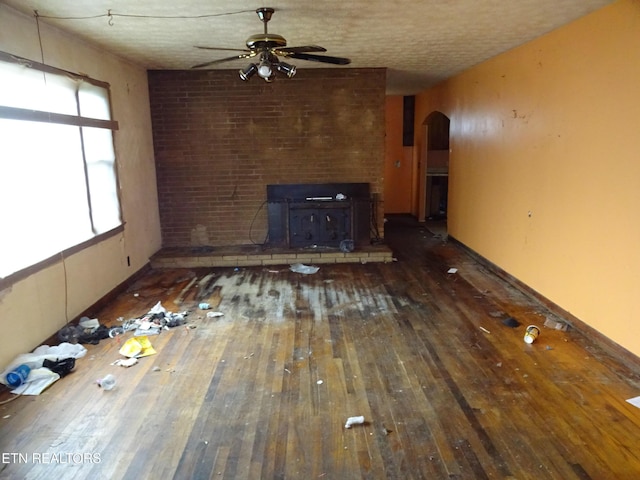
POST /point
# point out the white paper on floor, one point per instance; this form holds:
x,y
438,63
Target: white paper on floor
x,y
301,268
635,401
38,380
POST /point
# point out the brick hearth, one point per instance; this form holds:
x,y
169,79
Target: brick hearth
x,y
256,255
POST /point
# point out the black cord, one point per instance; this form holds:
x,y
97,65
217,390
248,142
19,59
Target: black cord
x,y
40,41
251,226
374,220
110,15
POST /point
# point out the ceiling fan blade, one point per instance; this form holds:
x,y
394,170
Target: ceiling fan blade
x,y
221,48
320,58
306,48
227,59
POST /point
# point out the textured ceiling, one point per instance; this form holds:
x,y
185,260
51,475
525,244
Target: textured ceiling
x,y
420,42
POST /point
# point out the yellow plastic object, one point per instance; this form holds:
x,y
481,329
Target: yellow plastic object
x,y
137,347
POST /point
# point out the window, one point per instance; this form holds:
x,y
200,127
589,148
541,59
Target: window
x,y
58,180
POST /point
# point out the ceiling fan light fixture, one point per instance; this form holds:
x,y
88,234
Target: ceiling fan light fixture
x,y
287,69
247,73
270,46
265,69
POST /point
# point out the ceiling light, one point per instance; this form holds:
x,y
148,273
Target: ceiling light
x,y
288,70
248,72
265,69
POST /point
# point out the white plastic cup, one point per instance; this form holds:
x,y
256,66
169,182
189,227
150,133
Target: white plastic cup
x,y
107,383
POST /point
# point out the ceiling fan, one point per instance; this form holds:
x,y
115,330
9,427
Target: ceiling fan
x,y
268,47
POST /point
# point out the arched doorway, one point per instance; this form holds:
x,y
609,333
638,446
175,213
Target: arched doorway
x,y
434,171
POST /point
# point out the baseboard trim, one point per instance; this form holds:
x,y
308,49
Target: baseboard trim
x,y
610,347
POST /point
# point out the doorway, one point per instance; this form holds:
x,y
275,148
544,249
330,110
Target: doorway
x,y
435,171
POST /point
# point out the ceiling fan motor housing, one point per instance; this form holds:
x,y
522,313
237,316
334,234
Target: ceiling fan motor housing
x,y
266,40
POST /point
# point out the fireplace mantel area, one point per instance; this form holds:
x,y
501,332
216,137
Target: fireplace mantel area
x,y
307,223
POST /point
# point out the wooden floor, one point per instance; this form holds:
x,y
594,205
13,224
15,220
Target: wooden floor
x,y
446,389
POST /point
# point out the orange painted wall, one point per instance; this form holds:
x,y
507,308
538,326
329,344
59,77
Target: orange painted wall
x,y
545,165
397,160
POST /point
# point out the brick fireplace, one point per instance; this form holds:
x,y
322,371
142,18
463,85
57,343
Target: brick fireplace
x,y
219,142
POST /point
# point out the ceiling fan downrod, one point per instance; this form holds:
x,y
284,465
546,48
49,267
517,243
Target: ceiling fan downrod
x,y
264,14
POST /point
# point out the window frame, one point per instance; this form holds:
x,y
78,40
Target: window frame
x,y
14,113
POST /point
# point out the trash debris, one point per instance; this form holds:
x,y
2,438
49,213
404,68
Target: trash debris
x,y
214,314
156,369
145,327
347,246
304,269
129,362
107,383
556,324
320,382
87,330
204,306
115,331
531,334
40,377
18,375
137,347
155,320
484,330
69,334
452,270
511,322
61,367
89,325
635,401
354,421
359,420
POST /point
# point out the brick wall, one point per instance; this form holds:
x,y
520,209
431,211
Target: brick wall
x,y
220,141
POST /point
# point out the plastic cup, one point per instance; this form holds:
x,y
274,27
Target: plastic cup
x,y
531,334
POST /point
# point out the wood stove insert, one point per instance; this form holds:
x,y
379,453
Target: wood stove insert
x,y
318,215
